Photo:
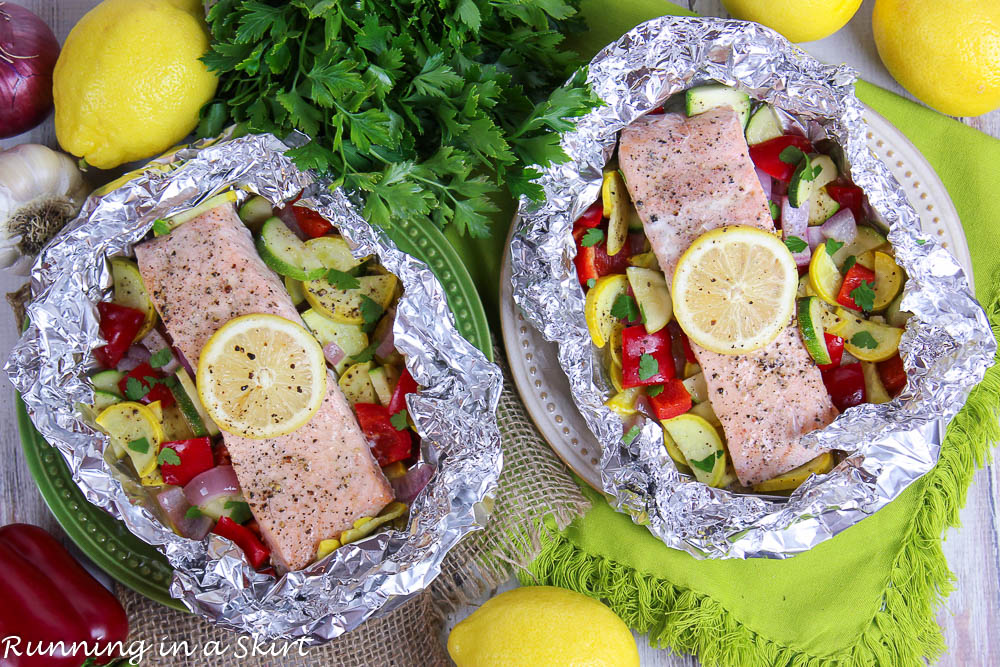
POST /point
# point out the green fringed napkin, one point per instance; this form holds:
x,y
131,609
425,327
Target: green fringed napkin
x,y
867,596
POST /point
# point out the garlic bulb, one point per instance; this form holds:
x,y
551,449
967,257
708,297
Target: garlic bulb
x,y
40,190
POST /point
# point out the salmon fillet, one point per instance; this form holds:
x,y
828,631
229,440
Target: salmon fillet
x,y
688,176
767,400
302,487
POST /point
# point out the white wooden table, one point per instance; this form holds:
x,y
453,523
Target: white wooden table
x,y
971,617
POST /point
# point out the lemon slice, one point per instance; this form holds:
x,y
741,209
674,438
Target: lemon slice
x,y
734,289
261,376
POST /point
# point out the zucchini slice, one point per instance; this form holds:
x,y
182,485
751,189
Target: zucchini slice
x,y
763,125
702,98
286,254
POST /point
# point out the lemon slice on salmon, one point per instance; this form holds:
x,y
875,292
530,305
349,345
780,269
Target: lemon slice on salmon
x,y
734,289
261,376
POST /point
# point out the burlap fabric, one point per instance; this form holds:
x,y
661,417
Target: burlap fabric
x,y
534,487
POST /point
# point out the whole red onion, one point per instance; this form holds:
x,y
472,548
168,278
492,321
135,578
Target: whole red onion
x,y
28,53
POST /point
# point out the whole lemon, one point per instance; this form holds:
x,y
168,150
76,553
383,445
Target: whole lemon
x,y
947,54
128,83
798,20
542,626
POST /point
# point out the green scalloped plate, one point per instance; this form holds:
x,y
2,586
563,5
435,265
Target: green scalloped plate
x,y
132,562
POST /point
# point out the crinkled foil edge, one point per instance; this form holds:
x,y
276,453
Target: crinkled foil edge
x,y
455,413
946,348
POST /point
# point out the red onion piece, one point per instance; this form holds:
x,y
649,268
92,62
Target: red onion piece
x,y
184,362
136,355
387,344
333,353
795,222
155,341
412,483
636,243
778,190
175,505
814,237
841,226
28,53
643,407
209,485
765,182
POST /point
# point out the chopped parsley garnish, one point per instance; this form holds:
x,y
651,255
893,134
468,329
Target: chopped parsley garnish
x,y
654,390
921,241
631,435
135,390
371,312
591,282
161,358
833,246
648,366
168,456
399,420
791,155
239,511
624,308
161,227
140,445
795,244
706,464
193,512
864,340
366,354
592,237
342,280
775,210
864,295
848,263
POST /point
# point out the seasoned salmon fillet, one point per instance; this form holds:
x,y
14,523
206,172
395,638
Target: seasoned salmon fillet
x,y
302,487
767,400
688,176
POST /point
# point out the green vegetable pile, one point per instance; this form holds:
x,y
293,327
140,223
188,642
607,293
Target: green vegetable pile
x,y
424,107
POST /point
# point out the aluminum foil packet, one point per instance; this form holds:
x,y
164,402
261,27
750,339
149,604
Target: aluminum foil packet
x,y
946,348
454,412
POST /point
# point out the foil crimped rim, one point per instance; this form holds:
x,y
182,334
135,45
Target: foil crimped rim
x,y
455,413
947,345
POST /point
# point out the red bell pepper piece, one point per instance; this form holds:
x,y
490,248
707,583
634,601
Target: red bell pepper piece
x,y
592,262
856,275
196,457
656,112
119,326
835,346
892,374
255,551
635,344
766,155
848,196
311,223
48,597
591,217
155,390
672,401
846,385
388,444
406,386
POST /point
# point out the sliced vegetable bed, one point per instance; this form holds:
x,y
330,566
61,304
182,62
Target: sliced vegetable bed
x,y
847,302
147,401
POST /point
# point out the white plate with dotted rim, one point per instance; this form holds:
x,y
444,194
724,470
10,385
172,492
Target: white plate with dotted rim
x,y
534,362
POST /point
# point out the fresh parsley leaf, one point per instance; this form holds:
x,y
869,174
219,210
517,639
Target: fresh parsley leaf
x,y
342,280
795,244
399,420
193,512
239,511
791,155
624,308
833,246
161,227
168,456
631,435
371,312
848,263
135,390
591,282
654,390
921,241
864,295
140,445
366,354
161,358
775,210
706,464
864,340
648,366
592,237
808,173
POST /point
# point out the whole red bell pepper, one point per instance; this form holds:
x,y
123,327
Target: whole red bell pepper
x,y
673,400
46,596
196,457
154,391
404,387
835,346
766,155
646,357
388,444
311,223
846,385
119,326
591,217
856,275
893,374
255,551
848,196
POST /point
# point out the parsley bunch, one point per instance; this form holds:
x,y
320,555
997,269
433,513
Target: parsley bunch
x,y
423,107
